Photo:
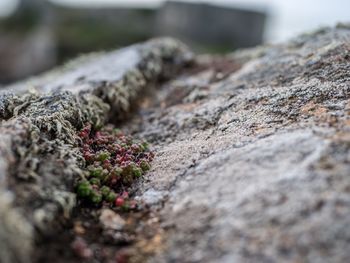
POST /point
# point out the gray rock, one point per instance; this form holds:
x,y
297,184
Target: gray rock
x,y
258,169
39,154
252,161
111,220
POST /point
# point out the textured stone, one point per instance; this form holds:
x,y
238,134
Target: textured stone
x,y
111,220
39,154
252,151
257,170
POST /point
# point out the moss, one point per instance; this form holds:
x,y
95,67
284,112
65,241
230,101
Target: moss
x,y
40,142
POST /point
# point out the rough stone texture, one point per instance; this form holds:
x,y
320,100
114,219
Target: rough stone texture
x,y
253,166
252,150
39,155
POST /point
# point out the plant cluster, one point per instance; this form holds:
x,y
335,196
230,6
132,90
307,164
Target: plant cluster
x,y
113,161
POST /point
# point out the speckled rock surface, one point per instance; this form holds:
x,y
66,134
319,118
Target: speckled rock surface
x,y
254,165
252,151
39,154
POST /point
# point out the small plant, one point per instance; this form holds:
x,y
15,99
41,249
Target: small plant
x,y
113,161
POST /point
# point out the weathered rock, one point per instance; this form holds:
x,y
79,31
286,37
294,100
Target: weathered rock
x,y
252,150
257,167
39,157
111,220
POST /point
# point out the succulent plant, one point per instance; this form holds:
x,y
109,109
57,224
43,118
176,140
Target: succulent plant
x,y
113,161
84,189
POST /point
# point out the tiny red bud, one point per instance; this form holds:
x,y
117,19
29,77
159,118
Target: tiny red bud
x,y
119,201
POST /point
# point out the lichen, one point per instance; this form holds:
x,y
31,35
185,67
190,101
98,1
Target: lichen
x,y
40,153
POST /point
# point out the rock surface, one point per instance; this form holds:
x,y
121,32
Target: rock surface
x,y
39,155
252,152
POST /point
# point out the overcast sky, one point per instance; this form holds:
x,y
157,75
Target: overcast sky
x,y
287,18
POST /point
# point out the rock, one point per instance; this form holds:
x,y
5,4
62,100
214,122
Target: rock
x,y
111,220
39,154
252,152
13,226
81,248
257,170
152,197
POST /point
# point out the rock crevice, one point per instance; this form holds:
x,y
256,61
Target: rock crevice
x,y
252,151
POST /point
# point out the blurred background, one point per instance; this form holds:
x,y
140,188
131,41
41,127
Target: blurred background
x,y
36,35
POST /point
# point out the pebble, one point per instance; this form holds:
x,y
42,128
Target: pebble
x,y
111,220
